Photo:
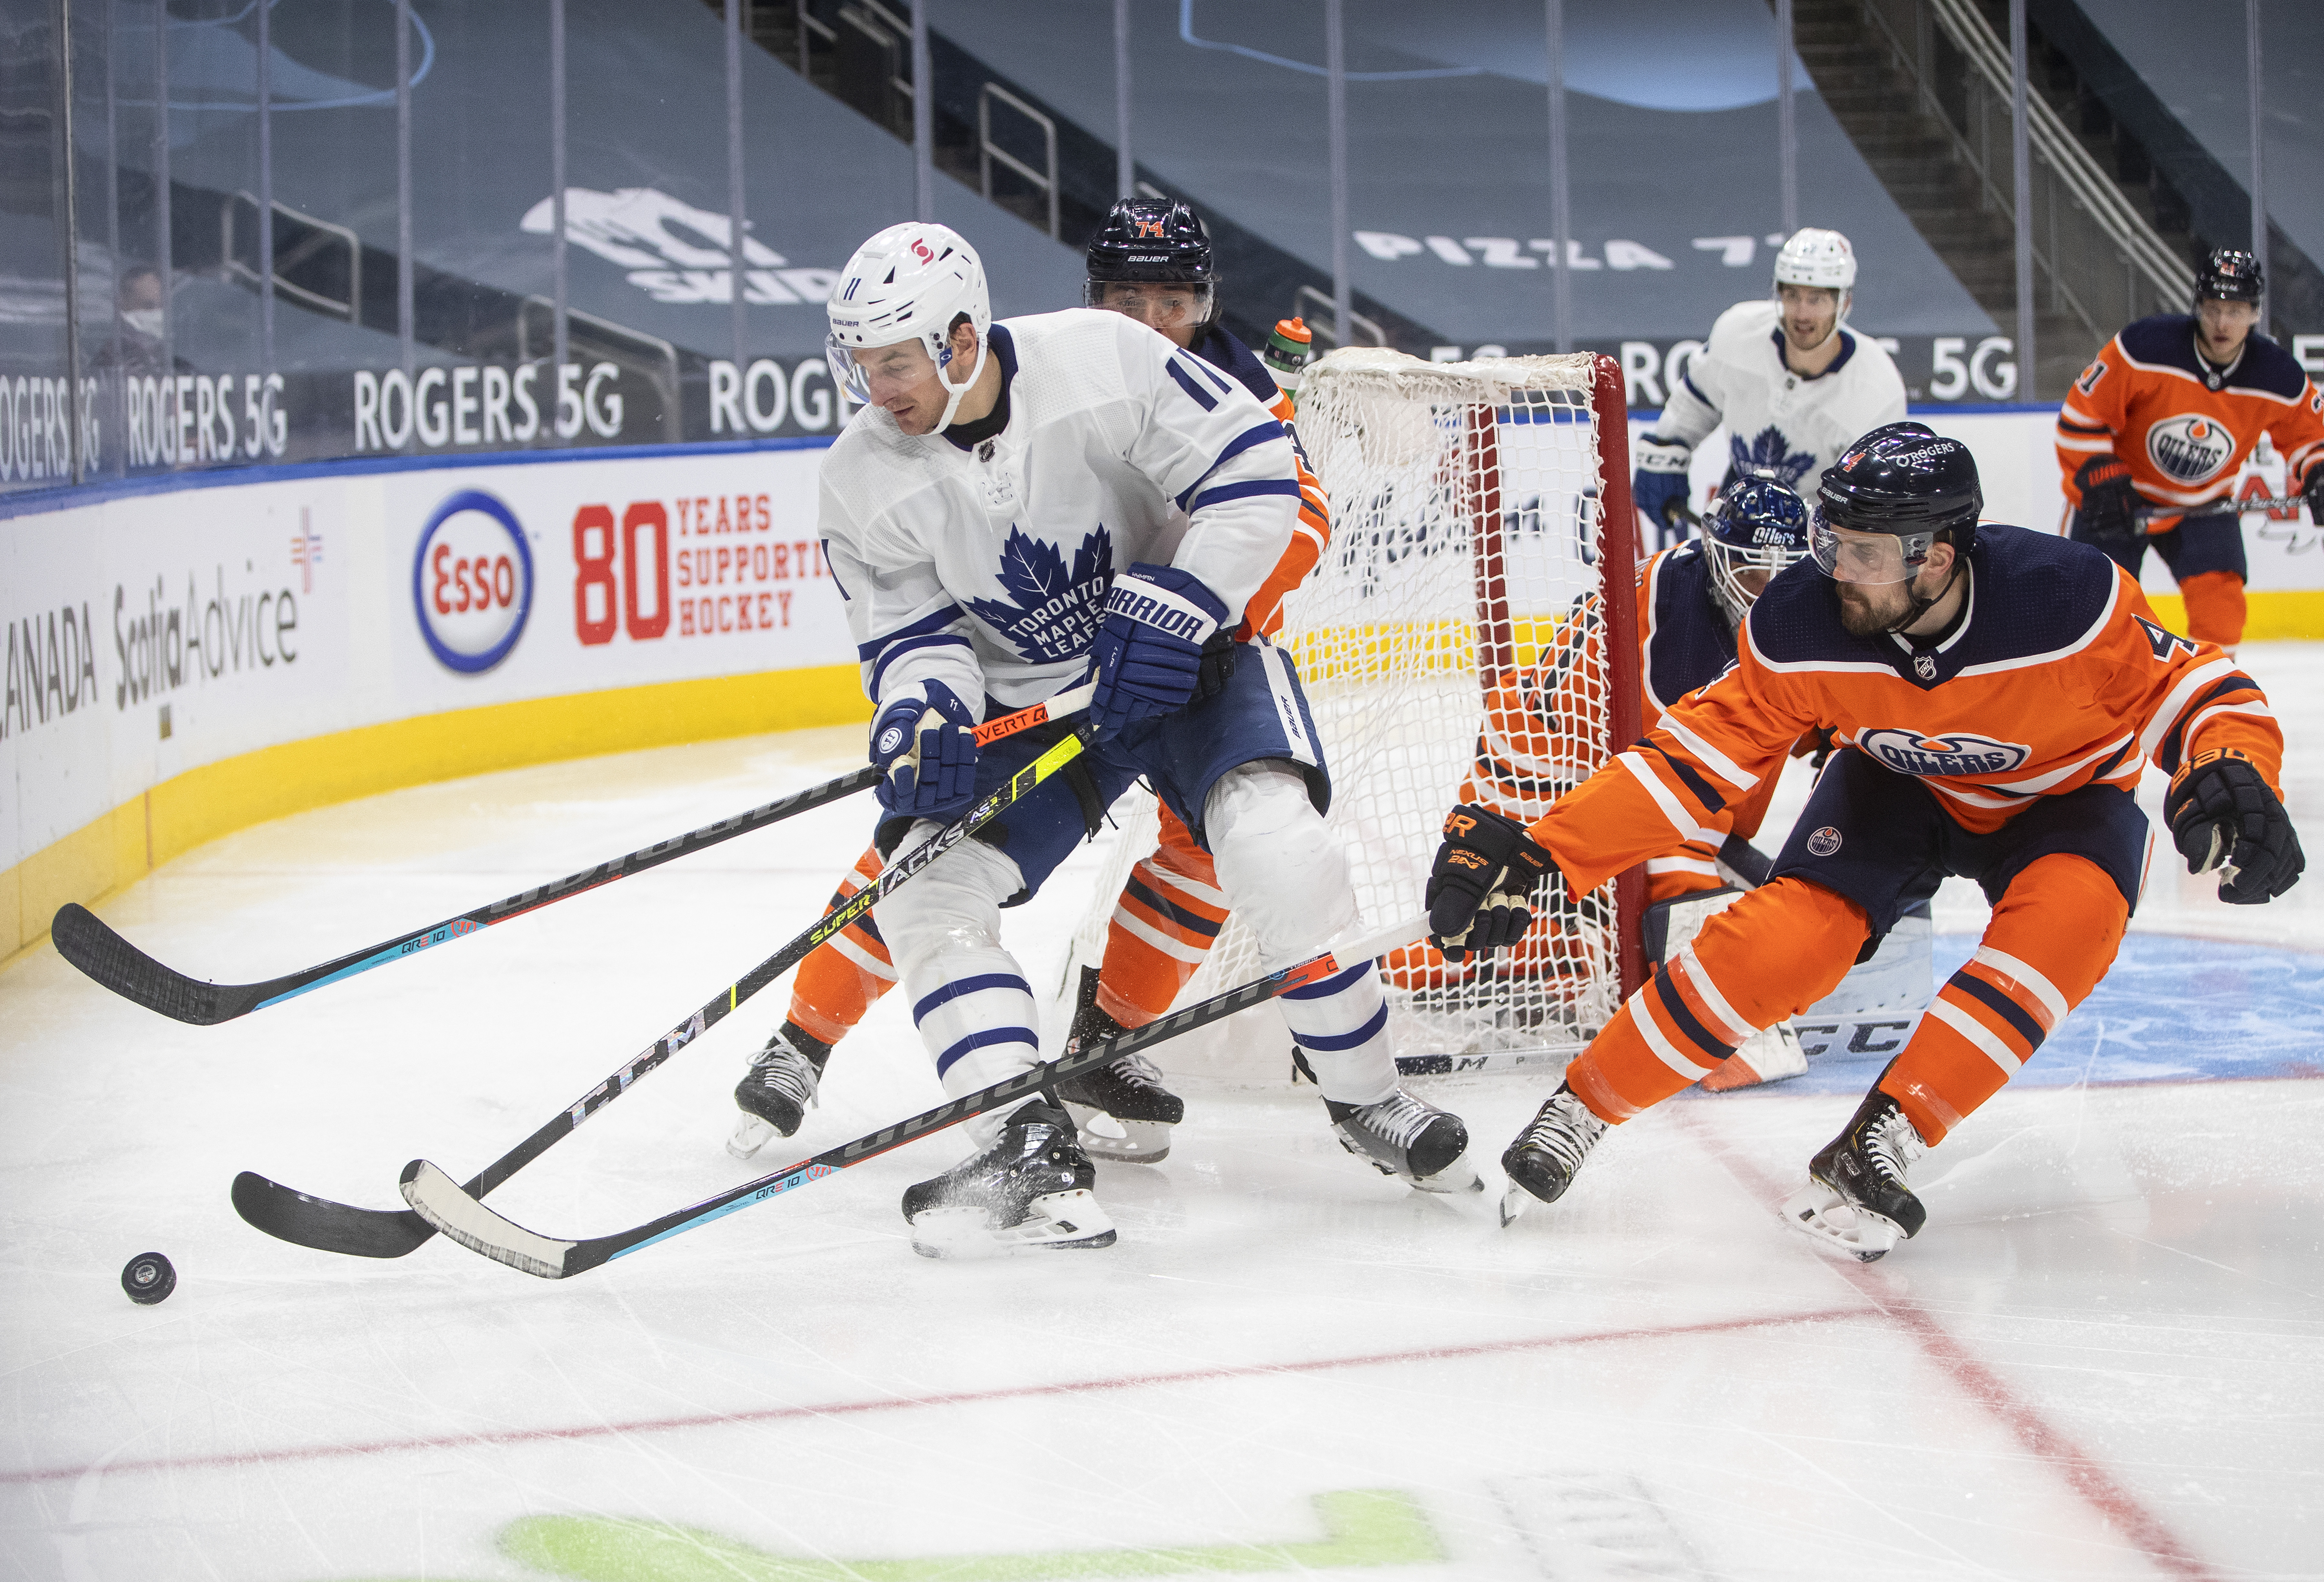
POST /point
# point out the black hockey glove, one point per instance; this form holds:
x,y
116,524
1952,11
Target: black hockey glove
x,y
2104,515
2222,816
1218,664
2312,492
1480,888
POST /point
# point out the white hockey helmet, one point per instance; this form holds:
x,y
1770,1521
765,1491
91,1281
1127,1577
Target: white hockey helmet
x,y
1818,258
908,282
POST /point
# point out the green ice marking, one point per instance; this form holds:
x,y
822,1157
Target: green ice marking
x,y
1362,1528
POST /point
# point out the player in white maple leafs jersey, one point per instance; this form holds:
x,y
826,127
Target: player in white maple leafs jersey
x,y
1793,383
1090,502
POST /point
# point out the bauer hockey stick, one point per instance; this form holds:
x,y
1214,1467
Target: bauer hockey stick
x,y
89,944
455,1210
289,1215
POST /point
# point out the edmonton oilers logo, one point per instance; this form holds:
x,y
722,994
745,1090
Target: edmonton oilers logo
x,y
2189,447
1824,841
1908,752
472,582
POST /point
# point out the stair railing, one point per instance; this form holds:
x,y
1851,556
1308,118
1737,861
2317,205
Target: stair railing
x,y
2106,264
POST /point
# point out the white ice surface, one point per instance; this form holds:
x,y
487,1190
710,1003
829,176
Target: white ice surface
x,y
2105,1357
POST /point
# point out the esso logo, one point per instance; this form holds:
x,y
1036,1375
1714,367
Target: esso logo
x,y
1908,752
472,582
2189,447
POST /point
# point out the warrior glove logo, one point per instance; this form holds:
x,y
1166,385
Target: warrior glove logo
x,y
1908,752
2190,447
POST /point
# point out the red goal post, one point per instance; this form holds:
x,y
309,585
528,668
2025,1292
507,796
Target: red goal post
x,y
1484,554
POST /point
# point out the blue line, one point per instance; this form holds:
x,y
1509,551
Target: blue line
x,y
1186,35
32,502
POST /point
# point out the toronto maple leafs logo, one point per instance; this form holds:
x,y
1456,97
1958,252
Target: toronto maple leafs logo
x,y
1049,615
1769,455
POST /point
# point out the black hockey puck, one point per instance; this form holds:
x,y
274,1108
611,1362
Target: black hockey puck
x,y
148,1278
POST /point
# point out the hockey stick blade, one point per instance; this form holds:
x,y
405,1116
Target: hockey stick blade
x,y
340,1228
289,1215
88,943
441,1202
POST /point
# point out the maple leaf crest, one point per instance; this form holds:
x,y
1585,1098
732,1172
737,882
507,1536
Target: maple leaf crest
x,y
1047,614
1767,452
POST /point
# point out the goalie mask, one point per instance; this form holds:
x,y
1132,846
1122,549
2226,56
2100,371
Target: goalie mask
x,y
910,282
1753,531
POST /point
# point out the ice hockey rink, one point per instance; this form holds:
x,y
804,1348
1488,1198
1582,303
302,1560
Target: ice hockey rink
x,y
2104,1358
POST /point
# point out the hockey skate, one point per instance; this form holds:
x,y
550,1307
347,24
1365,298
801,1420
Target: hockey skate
x,y
1424,1146
1548,1153
1031,1189
1123,1111
1770,1055
1856,1202
779,1089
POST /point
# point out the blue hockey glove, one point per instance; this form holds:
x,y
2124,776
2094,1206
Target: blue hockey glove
x,y
1659,487
924,743
1148,652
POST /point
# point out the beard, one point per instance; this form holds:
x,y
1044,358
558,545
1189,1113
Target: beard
x,y
1866,612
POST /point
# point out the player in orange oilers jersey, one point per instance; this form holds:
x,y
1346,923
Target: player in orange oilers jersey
x,y
1150,260
2163,417
1999,692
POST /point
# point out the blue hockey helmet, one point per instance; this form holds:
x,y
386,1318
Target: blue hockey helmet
x,y
1754,529
1901,483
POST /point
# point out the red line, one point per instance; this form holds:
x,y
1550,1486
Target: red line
x,y
2118,1505
962,1398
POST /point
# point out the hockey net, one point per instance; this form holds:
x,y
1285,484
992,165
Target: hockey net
x,y
1457,612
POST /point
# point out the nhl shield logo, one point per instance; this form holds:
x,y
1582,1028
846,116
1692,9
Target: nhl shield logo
x,y
2190,447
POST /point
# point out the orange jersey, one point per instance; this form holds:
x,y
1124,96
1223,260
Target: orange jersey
x,y
2056,676
2148,400
1262,615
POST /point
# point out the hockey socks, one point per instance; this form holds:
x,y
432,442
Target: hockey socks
x,y
1775,951
2050,939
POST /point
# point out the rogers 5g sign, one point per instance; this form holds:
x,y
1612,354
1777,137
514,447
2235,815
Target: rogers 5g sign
x,y
472,582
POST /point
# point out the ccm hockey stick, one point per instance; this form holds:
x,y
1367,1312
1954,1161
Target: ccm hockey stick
x,y
85,941
289,1215
455,1210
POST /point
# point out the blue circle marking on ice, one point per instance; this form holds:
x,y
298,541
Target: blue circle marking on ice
x,y
472,582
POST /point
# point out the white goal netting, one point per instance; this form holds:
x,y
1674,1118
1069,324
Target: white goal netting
x,y
1458,597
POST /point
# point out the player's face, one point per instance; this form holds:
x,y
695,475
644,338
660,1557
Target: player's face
x,y
1177,310
2224,325
1810,315
903,379
1868,609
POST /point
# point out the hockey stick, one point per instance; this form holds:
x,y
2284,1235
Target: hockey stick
x,y
2151,513
455,1211
89,944
378,1233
